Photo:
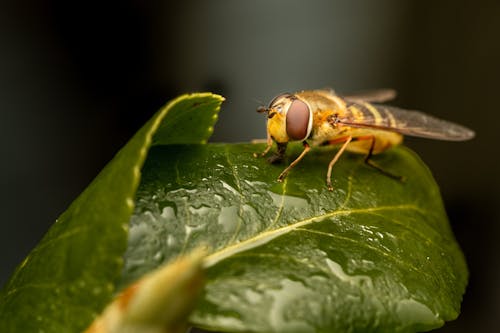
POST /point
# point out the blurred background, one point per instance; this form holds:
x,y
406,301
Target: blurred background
x,y
78,78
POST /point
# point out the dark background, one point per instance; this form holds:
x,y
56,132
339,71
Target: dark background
x,y
78,78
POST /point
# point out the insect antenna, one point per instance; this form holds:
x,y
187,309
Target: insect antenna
x,y
258,101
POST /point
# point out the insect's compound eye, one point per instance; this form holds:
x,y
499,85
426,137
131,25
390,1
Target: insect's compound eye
x,y
297,120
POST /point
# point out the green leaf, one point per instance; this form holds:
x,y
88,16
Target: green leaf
x,y
69,277
375,254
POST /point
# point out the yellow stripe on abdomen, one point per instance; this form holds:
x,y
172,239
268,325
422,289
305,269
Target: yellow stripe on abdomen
x,y
390,116
376,115
357,114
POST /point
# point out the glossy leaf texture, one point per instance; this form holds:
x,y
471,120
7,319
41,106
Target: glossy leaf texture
x,y
71,274
374,255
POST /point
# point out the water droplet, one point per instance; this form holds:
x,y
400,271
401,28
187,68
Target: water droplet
x,y
411,312
229,218
138,232
286,313
249,209
190,229
253,297
158,256
337,270
96,291
361,264
203,210
110,287
229,188
168,213
129,202
171,241
256,183
367,229
288,201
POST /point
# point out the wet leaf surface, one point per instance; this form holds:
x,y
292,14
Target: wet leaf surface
x,y
373,255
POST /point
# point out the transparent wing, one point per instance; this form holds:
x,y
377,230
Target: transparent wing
x,y
374,96
413,123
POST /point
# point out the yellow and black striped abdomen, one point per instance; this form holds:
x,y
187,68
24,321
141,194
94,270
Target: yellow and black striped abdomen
x,y
370,115
369,121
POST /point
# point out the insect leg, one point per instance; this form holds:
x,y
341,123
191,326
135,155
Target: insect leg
x,y
280,153
268,147
374,165
334,160
297,160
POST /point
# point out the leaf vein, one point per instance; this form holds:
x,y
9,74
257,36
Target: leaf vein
x,y
71,233
415,231
241,197
307,263
16,290
267,236
281,206
188,219
368,246
349,191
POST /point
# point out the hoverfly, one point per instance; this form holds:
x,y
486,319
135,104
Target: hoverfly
x,y
318,117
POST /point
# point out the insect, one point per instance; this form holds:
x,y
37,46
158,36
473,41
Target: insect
x,y
318,117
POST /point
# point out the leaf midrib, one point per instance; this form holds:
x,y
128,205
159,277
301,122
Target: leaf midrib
x,y
269,235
